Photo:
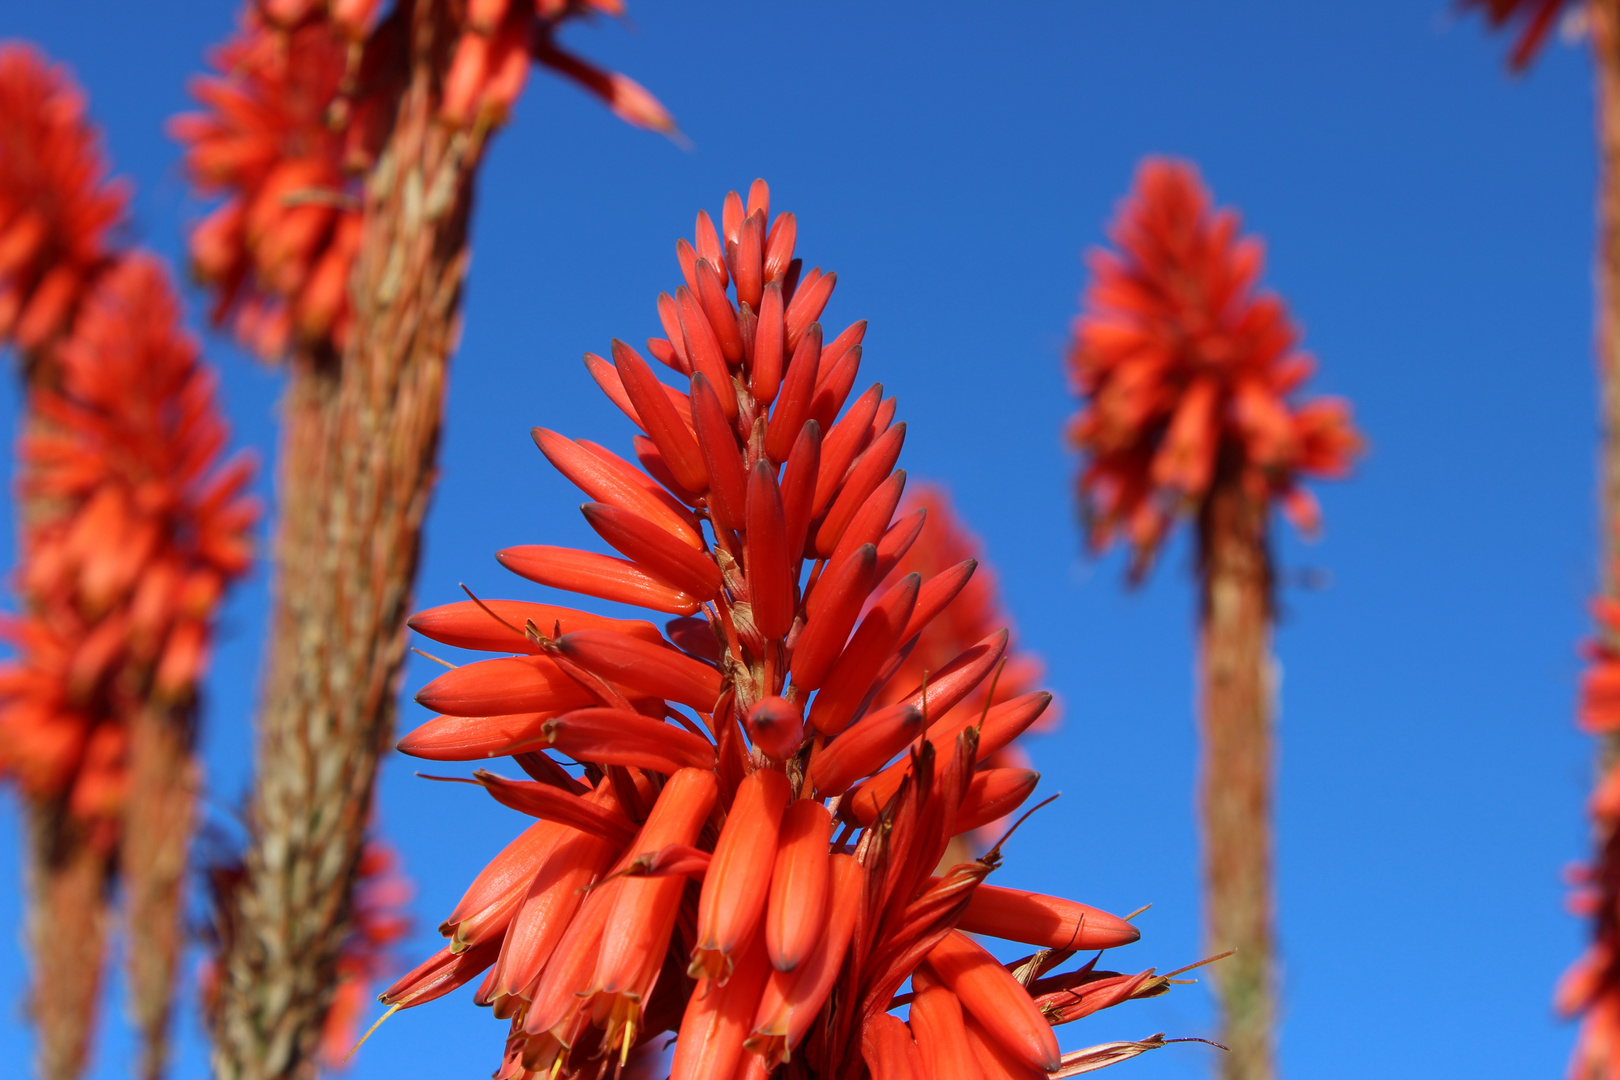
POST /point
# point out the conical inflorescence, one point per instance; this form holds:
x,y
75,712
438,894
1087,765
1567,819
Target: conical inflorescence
x,y
721,865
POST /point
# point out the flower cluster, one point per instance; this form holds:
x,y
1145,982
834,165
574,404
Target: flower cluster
x,y
1535,20
1187,373
296,113
138,529
57,207
738,861
976,615
1591,988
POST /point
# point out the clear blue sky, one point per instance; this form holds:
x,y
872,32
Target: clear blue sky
x,y
1428,218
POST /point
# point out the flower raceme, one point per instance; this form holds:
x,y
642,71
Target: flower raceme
x,y
1187,373
739,861
296,114
57,207
140,531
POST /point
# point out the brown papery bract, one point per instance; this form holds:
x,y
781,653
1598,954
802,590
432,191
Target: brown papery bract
x,y
756,933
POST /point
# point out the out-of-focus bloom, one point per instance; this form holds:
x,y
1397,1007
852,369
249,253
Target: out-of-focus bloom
x,y
1187,373
1534,20
702,872
295,115
974,616
57,207
139,529
1590,989
378,923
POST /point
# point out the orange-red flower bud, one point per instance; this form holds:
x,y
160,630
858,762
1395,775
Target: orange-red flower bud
x,y
618,737
865,747
869,648
775,726
889,1050
1047,921
997,1001
657,670
497,625
596,575
739,877
506,685
942,1042
797,910
654,551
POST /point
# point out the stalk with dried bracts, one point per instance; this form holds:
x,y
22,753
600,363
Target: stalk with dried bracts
x,y
1189,379
131,529
344,142
737,828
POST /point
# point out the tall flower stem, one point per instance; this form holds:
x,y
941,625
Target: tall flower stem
x,y
157,843
1236,772
69,878
356,473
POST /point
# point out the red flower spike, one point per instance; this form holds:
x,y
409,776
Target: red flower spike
x,y
57,207
663,424
654,551
796,397
797,909
857,666
797,954
1179,361
739,878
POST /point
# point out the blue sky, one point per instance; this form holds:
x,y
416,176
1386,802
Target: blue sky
x,y
1428,218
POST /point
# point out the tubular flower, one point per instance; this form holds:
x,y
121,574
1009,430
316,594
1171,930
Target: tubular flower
x,y
57,207
1535,20
972,617
141,529
730,898
295,115
378,923
1186,372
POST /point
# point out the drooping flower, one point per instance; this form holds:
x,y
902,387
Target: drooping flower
x,y
710,871
1534,20
1186,371
295,115
139,530
57,207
